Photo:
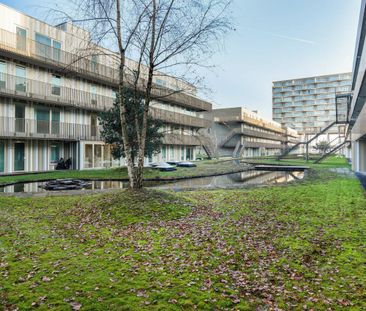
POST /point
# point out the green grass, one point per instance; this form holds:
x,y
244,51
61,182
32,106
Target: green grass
x,y
203,168
287,247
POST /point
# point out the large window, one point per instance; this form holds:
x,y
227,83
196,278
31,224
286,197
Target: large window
x,y
19,118
93,90
56,50
88,156
2,74
94,63
20,79
43,45
48,48
55,152
21,39
56,85
43,120
55,126
93,125
98,161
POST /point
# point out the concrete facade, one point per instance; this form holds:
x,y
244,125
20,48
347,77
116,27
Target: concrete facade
x,y
239,132
47,112
309,105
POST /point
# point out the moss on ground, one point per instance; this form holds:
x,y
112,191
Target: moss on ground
x,y
300,247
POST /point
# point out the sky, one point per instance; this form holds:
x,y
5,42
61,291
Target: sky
x,y
273,40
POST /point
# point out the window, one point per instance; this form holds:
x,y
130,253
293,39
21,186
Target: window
x,y
55,152
93,125
2,74
48,48
56,50
171,152
43,45
164,152
56,85
55,125
20,82
88,156
19,118
21,39
98,161
93,90
160,82
94,63
43,120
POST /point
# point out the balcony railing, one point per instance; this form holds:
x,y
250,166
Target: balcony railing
x,y
47,92
178,118
184,140
61,60
43,129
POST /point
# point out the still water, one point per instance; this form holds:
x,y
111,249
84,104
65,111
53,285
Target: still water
x,y
237,180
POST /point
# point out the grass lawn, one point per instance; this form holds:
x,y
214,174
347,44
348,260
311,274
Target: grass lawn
x,y
203,168
300,246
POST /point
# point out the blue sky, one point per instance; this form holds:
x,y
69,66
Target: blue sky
x,y
274,40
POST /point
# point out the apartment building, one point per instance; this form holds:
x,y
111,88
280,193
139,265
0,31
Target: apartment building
x,y
308,105
50,99
357,116
240,132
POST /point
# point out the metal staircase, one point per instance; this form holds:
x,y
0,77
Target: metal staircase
x,y
307,143
333,150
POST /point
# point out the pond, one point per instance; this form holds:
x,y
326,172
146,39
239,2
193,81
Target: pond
x,y
238,180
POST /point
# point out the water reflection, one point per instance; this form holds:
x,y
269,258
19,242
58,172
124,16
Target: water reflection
x,y
244,179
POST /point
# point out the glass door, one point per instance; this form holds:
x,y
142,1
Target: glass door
x,y
19,157
19,118
43,120
94,125
20,82
21,39
2,75
55,126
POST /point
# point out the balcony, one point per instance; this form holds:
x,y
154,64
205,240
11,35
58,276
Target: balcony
x,y
259,134
38,91
38,129
31,51
178,118
251,144
184,140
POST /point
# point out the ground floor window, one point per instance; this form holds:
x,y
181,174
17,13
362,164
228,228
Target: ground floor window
x,y
98,156
19,153
2,157
189,155
163,151
88,156
55,152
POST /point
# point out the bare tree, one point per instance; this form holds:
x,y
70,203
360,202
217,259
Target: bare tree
x,y
168,38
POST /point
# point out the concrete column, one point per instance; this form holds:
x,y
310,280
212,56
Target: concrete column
x,y
362,156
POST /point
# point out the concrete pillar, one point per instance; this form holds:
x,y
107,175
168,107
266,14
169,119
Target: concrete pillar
x,y
362,156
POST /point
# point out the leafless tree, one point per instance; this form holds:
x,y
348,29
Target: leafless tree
x,y
168,38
